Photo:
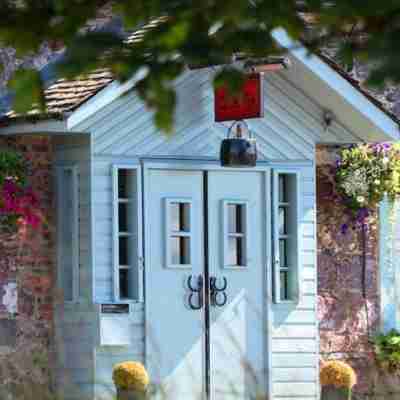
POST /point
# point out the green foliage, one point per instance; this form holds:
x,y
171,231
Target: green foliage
x,y
196,33
366,172
387,351
27,86
12,165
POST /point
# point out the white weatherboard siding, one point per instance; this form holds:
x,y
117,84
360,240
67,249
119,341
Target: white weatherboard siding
x,y
123,132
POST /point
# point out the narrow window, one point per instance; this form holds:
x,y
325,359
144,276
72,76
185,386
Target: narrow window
x,y
285,241
68,232
127,260
178,233
235,234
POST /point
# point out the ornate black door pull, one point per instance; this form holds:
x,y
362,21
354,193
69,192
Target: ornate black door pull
x,y
195,290
217,294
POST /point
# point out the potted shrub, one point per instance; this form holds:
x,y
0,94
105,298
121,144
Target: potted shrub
x,y
337,380
131,380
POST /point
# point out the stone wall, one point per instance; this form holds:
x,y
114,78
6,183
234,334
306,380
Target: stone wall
x,y
347,319
27,268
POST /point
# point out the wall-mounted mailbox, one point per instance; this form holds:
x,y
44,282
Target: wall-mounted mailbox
x,y
115,325
115,308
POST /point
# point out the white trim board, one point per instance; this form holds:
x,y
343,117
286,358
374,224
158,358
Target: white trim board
x,y
339,85
48,126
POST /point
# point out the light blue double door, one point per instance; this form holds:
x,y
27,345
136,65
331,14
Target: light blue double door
x,y
206,236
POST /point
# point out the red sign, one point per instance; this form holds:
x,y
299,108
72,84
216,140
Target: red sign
x,y
247,104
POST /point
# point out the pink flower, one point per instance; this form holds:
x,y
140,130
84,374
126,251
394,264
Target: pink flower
x,y
19,201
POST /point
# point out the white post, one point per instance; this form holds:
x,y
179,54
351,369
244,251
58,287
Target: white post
x,y
396,260
389,253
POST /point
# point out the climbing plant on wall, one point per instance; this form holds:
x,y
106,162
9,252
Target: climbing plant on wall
x,y
18,202
387,351
364,173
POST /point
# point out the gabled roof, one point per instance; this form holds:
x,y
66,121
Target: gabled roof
x,y
63,97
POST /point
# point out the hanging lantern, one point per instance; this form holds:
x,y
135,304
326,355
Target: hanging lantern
x,y
238,149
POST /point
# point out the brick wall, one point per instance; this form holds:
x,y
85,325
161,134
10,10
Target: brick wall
x,y
347,319
26,285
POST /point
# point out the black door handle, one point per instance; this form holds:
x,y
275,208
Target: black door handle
x,y
218,296
195,291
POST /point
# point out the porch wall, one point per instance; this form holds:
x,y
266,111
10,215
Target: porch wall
x,y
76,324
27,259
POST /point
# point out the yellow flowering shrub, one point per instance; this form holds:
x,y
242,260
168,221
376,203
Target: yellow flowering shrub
x,y
338,374
130,375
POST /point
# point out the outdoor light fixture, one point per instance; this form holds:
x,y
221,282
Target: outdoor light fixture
x,y
270,64
238,150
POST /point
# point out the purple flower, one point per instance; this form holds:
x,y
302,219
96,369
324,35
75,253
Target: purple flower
x,y
344,228
362,215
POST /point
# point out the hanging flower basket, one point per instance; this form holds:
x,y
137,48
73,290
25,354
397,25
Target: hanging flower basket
x,y
364,174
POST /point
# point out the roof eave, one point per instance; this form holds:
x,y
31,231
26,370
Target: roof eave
x,y
42,125
385,122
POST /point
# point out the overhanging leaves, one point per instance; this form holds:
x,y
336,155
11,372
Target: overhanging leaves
x,y
27,87
197,34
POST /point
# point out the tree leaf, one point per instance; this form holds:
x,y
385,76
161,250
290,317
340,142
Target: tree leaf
x,y
27,87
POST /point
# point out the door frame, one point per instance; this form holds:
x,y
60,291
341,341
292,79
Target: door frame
x,y
201,164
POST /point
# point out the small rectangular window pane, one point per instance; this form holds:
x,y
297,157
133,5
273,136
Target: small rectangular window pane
x,y
284,284
126,217
235,251
125,250
180,250
236,218
283,198
126,182
127,288
123,283
283,211
180,217
283,256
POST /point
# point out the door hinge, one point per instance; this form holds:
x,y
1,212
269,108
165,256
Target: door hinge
x,y
141,263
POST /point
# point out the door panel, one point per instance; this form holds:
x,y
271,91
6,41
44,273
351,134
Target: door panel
x,y
236,223
174,251
177,347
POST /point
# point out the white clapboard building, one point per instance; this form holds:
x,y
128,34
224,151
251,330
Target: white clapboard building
x,y
205,273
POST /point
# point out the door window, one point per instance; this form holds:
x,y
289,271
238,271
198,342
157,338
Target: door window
x,y
178,222
235,233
